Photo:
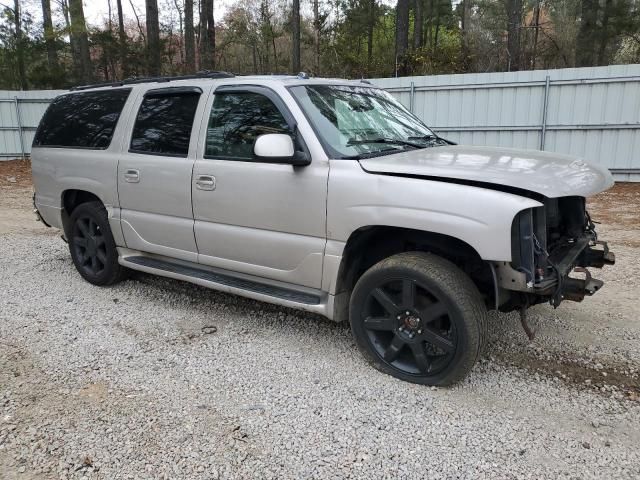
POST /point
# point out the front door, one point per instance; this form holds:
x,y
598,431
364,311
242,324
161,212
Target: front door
x,y
263,219
154,174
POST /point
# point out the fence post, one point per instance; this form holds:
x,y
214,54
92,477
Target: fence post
x,y
545,108
18,116
411,96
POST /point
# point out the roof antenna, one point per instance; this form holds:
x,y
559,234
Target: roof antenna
x,y
303,76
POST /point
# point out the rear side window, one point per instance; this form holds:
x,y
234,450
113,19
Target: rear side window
x,y
164,123
81,120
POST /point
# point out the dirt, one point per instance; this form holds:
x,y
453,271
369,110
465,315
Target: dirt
x,y
16,205
15,174
618,206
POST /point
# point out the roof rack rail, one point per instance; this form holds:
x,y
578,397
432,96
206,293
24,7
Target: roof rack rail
x,y
136,80
96,85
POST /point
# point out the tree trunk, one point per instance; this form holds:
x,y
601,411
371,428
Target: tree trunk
x,y
604,34
22,75
179,42
64,5
534,54
418,22
122,41
189,37
49,38
514,25
429,24
153,38
466,41
295,37
402,36
205,52
265,28
586,39
255,58
81,57
437,30
316,37
371,23
211,35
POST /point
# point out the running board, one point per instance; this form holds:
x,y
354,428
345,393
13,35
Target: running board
x,y
240,285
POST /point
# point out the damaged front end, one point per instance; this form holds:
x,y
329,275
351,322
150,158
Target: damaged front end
x,y
552,248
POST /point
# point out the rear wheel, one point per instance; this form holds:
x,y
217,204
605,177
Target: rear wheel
x,y
418,317
92,246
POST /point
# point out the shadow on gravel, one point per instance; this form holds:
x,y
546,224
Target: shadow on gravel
x,y
612,378
229,300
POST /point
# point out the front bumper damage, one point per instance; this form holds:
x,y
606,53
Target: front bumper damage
x,y
559,282
580,255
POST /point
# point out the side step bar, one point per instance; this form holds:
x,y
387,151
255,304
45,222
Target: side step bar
x,y
278,293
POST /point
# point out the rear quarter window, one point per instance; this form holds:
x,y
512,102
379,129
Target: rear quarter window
x,y
81,120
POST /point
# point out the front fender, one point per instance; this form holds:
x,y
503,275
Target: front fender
x,y
478,216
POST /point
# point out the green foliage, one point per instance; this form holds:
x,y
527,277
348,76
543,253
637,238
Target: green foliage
x,y
357,39
444,58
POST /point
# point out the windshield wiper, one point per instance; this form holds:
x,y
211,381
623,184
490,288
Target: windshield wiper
x,y
392,141
431,138
376,153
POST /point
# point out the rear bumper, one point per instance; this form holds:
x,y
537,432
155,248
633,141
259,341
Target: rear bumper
x,y
37,212
50,216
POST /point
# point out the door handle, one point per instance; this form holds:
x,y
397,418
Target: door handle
x,y
132,176
206,182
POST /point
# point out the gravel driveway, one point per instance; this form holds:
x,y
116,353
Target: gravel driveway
x,y
155,378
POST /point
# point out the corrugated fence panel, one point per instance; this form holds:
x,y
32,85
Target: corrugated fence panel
x,y
593,113
20,113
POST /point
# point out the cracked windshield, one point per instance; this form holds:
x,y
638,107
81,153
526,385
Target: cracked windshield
x,y
361,122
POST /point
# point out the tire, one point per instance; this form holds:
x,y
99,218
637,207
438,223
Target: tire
x,y
419,318
92,246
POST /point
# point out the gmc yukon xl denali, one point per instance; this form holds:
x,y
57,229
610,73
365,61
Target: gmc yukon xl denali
x,y
322,195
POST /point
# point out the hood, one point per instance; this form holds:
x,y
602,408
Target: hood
x,y
549,174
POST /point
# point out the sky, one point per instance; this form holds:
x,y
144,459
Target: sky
x,y
96,10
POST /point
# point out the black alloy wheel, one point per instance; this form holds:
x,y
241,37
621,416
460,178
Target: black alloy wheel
x,y
409,327
419,318
92,246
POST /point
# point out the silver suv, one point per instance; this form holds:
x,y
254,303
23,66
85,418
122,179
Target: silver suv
x,y
322,195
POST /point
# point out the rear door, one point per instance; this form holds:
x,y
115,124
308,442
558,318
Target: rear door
x,y
154,173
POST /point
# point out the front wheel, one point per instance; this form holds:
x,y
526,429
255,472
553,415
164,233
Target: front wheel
x,y
418,317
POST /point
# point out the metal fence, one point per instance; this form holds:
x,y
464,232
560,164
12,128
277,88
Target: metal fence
x,y
593,113
20,112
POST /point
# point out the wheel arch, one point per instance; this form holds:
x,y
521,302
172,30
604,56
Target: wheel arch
x,y
368,245
70,199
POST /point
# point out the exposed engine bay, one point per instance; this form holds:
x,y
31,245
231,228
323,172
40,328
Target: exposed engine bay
x,y
552,248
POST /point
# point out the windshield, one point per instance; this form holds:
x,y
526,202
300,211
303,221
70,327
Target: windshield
x,y
361,122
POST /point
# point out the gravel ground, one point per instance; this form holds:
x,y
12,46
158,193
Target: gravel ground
x,y
155,378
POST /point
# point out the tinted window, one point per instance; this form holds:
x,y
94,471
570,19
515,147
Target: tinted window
x,y
81,120
164,123
237,119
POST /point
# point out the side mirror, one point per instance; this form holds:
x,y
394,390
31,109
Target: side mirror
x,y
278,148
